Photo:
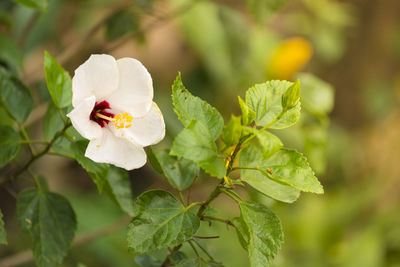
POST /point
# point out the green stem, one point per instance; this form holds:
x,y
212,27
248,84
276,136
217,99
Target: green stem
x,y
232,194
34,142
212,196
211,218
181,198
43,152
26,137
203,249
268,125
194,249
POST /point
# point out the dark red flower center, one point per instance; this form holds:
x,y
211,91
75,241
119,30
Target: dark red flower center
x,y
100,108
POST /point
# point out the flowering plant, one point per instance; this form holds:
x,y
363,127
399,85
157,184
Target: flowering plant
x,y
110,105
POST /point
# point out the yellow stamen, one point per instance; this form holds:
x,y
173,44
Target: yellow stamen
x,y
104,117
123,120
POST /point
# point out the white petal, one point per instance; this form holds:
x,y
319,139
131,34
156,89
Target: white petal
x,y
80,118
96,76
135,89
144,131
116,151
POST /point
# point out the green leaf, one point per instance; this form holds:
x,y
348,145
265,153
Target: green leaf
x,y
195,143
151,156
265,233
266,100
160,221
242,231
317,96
118,188
291,96
180,173
37,4
120,23
52,122
262,10
291,168
269,142
15,96
58,82
232,131
9,52
51,221
252,156
248,115
97,171
9,144
188,107
3,239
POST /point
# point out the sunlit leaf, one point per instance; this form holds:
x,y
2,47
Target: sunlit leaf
x,y
266,100
188,107
248,115
232,131
265,233
195,143
252,156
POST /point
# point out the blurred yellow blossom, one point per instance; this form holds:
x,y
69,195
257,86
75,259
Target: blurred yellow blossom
x,y
289,58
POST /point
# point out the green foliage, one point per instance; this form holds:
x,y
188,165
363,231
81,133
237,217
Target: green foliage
x,y
15,96
58,82
121,23
180,173
195,143
10,144
9,52
252,156
37,4
232,131
50,220
97,171
269,142
266,100
264,230
248,115
118,187
160,221
52,122
3,238
291,96
291,168
188,108
316,95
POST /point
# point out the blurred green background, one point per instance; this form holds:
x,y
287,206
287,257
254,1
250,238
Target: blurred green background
x,y
222,47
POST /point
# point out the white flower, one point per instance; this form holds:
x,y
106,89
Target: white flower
x,y
114,109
